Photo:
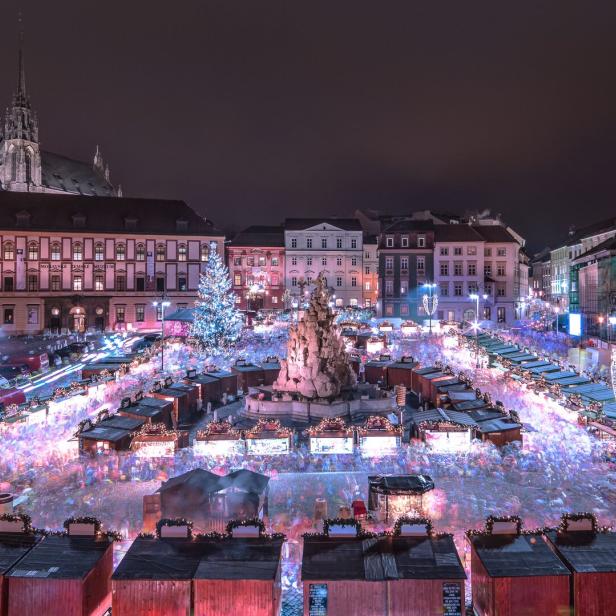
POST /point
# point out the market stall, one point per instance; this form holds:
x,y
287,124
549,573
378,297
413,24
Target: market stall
x,y
331,436
267,437
379,437
392,496
218,438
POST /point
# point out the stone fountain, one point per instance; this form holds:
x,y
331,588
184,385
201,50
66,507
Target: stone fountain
x,y
316,379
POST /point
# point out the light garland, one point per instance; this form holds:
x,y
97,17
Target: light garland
x,y
269,425
25,519
217,428
174,522
330,424
430,304
379,423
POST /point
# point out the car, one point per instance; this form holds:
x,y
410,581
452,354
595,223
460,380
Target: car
x,y
10,372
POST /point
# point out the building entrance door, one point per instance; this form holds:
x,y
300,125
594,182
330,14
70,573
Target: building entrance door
x,y
78,316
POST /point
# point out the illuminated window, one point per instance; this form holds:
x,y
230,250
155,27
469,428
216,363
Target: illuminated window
x,y
55,252
140,313
160,252
99,282
205,253
140,253
77,252
120,252
182,253
33,251
9,251
99,252
237,280
77,283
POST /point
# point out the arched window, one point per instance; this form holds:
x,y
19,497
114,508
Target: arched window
x,y
33,251
28,166
182,252
120,252
205,252
140,252
13,165
9,251
77,252
99,252
160,252
55,252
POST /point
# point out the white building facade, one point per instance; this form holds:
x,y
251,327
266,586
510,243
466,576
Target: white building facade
x,y
332,247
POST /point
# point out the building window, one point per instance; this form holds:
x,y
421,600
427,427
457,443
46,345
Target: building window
x,y
457,251
487,252
9,251
444,251
338,281
32,282
182,286
353,243
274,263
500,269
9,315
120,283
160,284
274,299
308,280
308,261
323,260
140,252
367,285
421,241
77,283
472,269
389,287
457,289
471,250
160,252
120,313
294,260
8,283
323,242
99,282
404,241
353,281
487,313
389,310
55,282
389,241
421,263
389,263
500,315
140,313
237,261
404,263
33,314
487,269
500,291
444,269
404,310
33,251
473,288
55,252
140,283
354,261
205,253
309,243
261,261
77,251
237,280
120,252
294,281
182,253
457,268
367,270
250,262
403,288
367,302
501,252
159,312
99,252
444,290
339,261
338,242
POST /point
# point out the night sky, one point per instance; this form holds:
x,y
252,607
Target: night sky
x,y
254,110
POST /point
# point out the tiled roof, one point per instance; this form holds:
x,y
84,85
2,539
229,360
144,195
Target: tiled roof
x,y
298,224
259,235
409,225
494,233
51,212
456,233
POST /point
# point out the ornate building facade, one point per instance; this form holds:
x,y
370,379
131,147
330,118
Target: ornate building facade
x,y
25,167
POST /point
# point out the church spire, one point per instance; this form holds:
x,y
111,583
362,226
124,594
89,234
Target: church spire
x,y
21,98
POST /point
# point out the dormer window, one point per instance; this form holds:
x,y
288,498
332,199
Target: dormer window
x,y
181,224
79,221
23,218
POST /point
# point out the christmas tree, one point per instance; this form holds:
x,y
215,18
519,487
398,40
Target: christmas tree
x,y
217,323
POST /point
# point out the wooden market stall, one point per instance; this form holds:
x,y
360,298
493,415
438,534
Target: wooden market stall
x,y
271,368
158,441
499,430
151,410
218,438
228,381
248,375
443,430
68,575
413,572
419,385
379,437
210,388
110,433
268,437
182,400
401,372
514,573
589,552
392,496
239,573
331,436
375,370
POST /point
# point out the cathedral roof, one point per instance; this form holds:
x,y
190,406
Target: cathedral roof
x,y
73,176
55,212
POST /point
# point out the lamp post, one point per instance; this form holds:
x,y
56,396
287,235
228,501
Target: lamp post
x,y
430,302
475,297
163,303
556,311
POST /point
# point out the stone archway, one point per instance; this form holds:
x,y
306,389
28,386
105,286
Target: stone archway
x,y
77,320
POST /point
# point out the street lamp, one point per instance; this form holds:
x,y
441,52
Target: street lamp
x,y
475,297
163,303
430,301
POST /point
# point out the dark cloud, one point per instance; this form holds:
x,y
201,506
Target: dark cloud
x,y
254,110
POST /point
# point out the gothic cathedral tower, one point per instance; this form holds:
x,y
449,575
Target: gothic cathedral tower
x,y
20,157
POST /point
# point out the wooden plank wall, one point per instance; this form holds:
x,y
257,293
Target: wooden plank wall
x,y
38,596
151,597
97,586
352,598
594,594
419,597
226,597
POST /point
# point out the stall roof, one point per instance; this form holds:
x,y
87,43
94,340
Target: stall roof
x,y
485,414
61,557
246,368
522,358
469,405
542,369
198,478
122,423
586,552
143,410
602,395
159,559
536,364
386,484
246,481
379,363
498,425
13,547
609,408
574,380
404,365
204,379
428,370
271,365
154,402
381,559
240,559
443,416
101,433
449,382
557,376
517,556
220,374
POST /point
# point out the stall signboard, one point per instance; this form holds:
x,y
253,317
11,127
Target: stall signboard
x,y
267,446
372,446
156,449
452,600
331,444
317,600
220,447
448,442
